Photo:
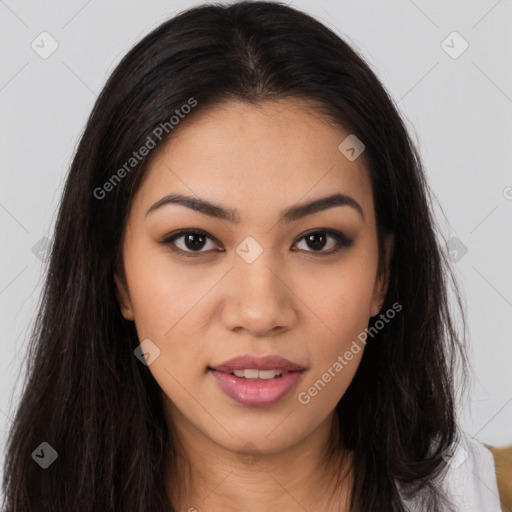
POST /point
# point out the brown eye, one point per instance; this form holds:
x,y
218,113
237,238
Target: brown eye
x,y
318,240
193,242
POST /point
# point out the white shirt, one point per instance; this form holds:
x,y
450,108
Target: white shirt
x,y
469,479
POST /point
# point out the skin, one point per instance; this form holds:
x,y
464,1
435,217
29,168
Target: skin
x,y
303,305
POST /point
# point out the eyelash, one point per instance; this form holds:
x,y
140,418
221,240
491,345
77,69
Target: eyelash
x,y
342,240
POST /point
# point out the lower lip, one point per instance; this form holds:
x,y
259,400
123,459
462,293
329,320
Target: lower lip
x,y
257,392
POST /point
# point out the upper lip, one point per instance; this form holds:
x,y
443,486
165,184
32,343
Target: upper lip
x,y
269,362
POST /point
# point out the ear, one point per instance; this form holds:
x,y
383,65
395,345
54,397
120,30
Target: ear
x,y
382,281
123,298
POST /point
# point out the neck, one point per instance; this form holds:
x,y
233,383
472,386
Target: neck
x,y
206,476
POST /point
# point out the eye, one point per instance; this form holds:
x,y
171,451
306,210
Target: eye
x,y
318,240
195,240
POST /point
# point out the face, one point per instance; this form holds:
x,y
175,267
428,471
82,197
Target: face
x,y
264,277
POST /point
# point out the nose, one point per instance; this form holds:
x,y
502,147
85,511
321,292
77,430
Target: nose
x,y
258,299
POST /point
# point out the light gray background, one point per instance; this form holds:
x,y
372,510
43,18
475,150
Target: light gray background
x,y
459,111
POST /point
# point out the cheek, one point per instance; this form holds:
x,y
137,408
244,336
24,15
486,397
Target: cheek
x,y
166,305
173,308
340,298
159,292
336,352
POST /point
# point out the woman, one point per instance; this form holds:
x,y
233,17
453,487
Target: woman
x,y
246,306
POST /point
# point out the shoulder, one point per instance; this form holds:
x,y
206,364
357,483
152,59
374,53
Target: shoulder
x,y
503,463
469,478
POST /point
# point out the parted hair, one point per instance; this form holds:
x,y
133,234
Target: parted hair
x,y
85,393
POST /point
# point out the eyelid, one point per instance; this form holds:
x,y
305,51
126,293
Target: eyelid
x,y
167,241
343,241
339,236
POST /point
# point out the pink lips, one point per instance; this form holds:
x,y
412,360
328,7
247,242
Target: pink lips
x,y
257,392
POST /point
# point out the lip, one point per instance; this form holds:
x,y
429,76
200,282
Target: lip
x,y
270,362
257,393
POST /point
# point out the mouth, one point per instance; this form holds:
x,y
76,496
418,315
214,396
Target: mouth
x,y
251,364
255,374
257,381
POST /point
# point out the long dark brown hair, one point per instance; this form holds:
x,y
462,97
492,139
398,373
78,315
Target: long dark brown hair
x,y
91,399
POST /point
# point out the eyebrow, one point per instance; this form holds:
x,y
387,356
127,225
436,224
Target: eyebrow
x,y
288,215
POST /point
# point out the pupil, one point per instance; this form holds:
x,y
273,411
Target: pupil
x,y
315,241
312,237
192,245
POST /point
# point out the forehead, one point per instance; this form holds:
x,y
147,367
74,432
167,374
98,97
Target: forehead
x,y
251,157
